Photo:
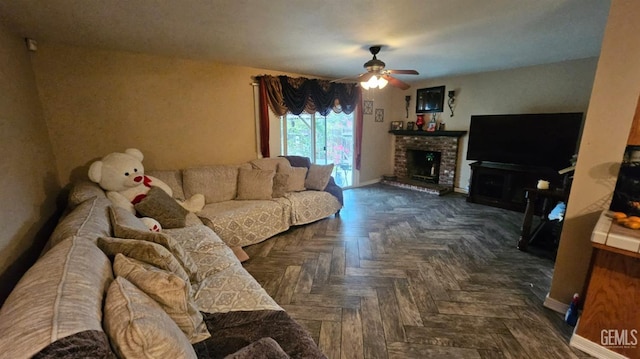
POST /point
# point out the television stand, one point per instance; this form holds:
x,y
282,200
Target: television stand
x,y
503,185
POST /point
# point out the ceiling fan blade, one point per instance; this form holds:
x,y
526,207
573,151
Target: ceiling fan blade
x,y
402,72
347,79
396,83
359,78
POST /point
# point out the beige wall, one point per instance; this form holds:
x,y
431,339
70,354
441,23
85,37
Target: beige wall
x,y
558,87
611,110
29,182
179,112
377,142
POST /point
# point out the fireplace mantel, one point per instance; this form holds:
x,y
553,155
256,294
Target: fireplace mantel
x,y
428,133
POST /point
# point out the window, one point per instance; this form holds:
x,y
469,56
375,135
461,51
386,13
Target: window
x,y
324,139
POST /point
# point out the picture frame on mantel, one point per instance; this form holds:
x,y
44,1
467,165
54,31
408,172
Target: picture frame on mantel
x,y
410,126
396,125
430,99
432,126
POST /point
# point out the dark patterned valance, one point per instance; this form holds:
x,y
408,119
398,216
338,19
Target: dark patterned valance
x,y
297,95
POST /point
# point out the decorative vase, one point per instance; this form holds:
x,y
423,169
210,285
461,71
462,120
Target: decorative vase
x,y
420,122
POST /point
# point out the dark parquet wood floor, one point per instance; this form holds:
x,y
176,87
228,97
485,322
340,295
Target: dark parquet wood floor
x,y
404,274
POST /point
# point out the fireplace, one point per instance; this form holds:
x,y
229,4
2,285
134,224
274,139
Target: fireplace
x,y
426,161
423,165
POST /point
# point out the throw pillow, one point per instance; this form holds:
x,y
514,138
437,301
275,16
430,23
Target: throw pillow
x,y
255,184
172,178
163,208
168,290
127,226
280,184
297,176
138,327
270,164
144,251
216,183
318,177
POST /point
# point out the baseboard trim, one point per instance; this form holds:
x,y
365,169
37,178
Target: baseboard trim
x,y
592,348
460,190
555,305
374,181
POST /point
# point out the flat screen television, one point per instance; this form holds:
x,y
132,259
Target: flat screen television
x,y
541,140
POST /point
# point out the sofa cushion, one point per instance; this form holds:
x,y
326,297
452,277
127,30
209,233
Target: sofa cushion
x,y
297,176
298,161
122,221
255,184
128,226
270,164
209,252
318,177
82,191
280,184
144,251
241,223
232,289
335,190
139,328
90,219
163,208
173,179
168,290
216,183
310,206
59,296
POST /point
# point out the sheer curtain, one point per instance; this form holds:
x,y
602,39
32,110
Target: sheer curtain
x,y
296,95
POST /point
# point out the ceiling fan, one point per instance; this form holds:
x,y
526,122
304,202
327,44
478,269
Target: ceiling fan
x,y
377,76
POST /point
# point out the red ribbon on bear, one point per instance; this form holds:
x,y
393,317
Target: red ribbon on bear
x,y
146,181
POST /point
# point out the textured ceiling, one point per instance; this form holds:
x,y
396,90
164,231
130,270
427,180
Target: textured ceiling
x,y
326,38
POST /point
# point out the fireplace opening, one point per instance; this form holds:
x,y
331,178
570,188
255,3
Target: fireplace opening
x,y
423,165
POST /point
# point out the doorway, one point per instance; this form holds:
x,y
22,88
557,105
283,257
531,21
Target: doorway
x,y
324,139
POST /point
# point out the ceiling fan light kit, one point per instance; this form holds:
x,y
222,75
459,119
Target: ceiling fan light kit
x,y
376,75
374,82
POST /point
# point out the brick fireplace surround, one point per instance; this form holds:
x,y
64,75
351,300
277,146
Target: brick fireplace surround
x,y
445,142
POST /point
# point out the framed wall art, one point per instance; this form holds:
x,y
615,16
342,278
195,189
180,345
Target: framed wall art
x,y
368,107
430,99
379,115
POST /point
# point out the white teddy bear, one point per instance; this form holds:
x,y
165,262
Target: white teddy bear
x,y
122,176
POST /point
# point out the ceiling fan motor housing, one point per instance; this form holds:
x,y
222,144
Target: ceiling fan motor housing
x,y
374,65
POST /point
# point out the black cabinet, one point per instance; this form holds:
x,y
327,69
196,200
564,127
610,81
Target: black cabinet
x,y
503,185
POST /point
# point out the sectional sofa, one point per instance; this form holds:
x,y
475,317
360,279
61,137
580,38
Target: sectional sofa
x,y
248,203
105,286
